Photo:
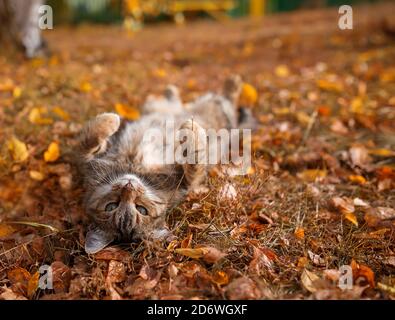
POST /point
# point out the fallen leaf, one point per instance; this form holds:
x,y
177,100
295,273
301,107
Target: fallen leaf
x,y
8,294
36,175
330,85
208,254
53,152
61,113
33,284
282,71
357,179
351,217
360,203
6,230
221,278
18,150
316,259
127,112
159,73
116,272
17,92
311,175
359,156
389,289
249,95
308,279
85,86
384,153
37,116
299,233
242,289
113,253
345,205
362,271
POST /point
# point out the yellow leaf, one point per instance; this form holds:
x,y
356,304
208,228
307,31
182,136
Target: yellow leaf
x,y
388,75
357,179
6,230
160,73
382,153
249,95
282,71
311,175
16,93
357,105
18,150
36,116
61,113
351,217
127,112
299,233
330,85
32,285
85,86
53,152
192,253
36,175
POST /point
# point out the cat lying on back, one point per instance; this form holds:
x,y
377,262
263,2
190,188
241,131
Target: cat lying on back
x,y
126,196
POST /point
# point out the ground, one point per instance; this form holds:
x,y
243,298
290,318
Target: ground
x,y
319,195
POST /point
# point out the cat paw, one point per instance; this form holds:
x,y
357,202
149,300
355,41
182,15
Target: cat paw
x,y
106,124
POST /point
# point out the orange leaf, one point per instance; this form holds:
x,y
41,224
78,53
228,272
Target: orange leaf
x,y
312,175
33,284
53,153
6,230
362,271
357,179
351,217
249,95
299,233
18,275
220,278
127,112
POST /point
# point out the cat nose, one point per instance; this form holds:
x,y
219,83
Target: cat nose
x,y
127,192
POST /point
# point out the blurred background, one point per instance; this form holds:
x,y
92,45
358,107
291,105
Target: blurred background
x,y
113,11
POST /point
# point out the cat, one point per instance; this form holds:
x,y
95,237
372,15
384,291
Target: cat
x,y
19,23
126,196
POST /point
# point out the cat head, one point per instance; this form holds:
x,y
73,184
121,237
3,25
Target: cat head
x,y
129,207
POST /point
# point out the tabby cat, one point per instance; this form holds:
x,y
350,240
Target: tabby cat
x,y
126,194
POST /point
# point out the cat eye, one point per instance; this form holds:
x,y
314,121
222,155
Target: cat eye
x,y
111,206
142,210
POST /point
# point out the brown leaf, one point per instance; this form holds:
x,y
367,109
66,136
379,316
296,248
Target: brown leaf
x,y
242,289
61,276
220,278
112,253
8,294
359,156
33,284
316,259
116,272
6,230
344,205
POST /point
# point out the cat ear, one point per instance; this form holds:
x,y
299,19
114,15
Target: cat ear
x,y
96,240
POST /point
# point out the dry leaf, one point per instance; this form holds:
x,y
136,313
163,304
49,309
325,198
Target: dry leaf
x,y
345,205
384,153
359,156
221,278
249,95
351,217
8,294
362,271
61,113
242,289
37,116
208,254
127,112
18,150
53,152
6,230
357,179
311,175
316,259
308,279
299,233
116,272
282,71
36,175
360,203
33,284
85,86
330,85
